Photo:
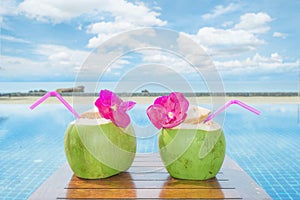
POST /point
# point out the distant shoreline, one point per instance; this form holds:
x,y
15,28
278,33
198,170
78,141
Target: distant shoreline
x,y
155,94
150,99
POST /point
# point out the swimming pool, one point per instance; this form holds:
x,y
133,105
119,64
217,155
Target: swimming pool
x,y
266,147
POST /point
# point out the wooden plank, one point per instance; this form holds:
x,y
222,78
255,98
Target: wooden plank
x,y
148,179
76,183
146,169
153,176
149,193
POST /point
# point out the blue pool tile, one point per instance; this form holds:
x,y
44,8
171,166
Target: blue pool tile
x,y
270,153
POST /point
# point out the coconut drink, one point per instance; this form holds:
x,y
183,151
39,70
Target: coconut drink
x,y
193,150
101,142
97,148
192,146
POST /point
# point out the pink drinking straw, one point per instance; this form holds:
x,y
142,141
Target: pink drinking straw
x,y
53,93
210,117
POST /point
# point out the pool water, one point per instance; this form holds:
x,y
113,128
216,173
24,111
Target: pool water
x,y
267,147
31,147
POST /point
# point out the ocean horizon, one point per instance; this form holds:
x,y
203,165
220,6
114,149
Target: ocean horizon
x,y
91,87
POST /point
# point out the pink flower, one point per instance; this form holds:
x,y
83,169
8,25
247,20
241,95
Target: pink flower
x,y
112,107
168,111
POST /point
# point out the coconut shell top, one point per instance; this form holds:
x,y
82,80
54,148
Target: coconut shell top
x,y
196,115
91,117
195,120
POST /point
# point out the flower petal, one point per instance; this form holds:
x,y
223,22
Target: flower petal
x,y
105,111
127,105
161,100
131,104
112,107
176,122
157,115
108,98
168,111
120,118
181,103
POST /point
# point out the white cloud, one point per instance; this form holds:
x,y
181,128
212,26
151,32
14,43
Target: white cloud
x,y
13,39
242,37
59,11
105,30
123,21
165,58
122,15
29,68
220,10
226,42
279,35
256,23
79,27
8,7
61,53
210,36
165,64
55,62
257,64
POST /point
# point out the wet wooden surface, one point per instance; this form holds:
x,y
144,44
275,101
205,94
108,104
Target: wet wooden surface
x,y
148,179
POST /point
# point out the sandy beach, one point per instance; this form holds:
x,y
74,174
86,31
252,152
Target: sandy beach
x,y
149,100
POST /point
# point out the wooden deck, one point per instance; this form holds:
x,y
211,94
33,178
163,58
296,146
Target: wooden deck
x,y
148,179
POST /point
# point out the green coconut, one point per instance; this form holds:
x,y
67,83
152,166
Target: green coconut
x,y
193,150
96,148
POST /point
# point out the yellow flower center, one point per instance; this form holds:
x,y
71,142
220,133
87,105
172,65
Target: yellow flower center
x,y
170,115
114,107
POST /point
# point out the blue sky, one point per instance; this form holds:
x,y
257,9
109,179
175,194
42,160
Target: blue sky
x,y
256,40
